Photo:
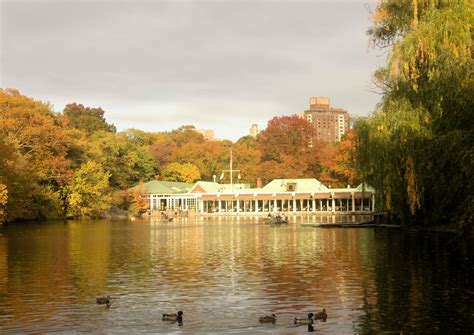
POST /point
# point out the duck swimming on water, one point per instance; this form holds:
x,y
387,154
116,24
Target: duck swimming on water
x,y
305,321
321,315
173,317
103,301
268,318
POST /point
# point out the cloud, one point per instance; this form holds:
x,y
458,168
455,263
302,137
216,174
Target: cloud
x,y
179,62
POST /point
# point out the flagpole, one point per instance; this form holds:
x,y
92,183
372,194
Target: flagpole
x,y
231,186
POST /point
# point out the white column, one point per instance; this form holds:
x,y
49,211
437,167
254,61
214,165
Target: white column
x,y
333,202
256,206
294,205
353,202
373,202
219,204
238,205
275,205
314,205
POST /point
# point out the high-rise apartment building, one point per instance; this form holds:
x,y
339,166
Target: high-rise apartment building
x,y
254,130
207,133
330,123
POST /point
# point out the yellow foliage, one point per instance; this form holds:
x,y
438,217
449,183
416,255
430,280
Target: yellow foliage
x,y
412,189
3,201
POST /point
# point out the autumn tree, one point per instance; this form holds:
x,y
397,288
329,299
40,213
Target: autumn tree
x,y
210,157
247,158
139,203
187,172
3,201
162,151
186,134
35,131
289,141
338,167
87,118
40,145
89,191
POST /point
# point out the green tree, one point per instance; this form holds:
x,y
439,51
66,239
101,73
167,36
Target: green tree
x,y
88,194
417,148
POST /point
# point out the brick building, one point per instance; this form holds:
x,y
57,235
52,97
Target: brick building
x,y
331,123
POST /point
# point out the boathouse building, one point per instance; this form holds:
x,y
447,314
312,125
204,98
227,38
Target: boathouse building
x,y
297,196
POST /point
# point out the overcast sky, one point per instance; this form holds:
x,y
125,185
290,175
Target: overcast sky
x,y
222,65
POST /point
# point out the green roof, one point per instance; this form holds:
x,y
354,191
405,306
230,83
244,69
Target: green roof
x,y
301,185
276,185
158,186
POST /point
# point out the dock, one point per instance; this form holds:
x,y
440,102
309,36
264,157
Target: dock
x,y
365,224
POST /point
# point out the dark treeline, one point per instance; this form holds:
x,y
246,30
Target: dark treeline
x,y
75,164
417,148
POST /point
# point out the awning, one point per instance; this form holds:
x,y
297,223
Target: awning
x,y
342,195
225,197
303,196
325,195
264,197
209,197
284,196
245,197
360,195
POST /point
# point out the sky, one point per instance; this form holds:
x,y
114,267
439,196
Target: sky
x,y
220,64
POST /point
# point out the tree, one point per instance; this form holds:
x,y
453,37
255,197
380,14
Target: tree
x,y
247,159
338,162
3,201
127,161
186,134
144,165
35,140
210,157
289,141
138,201
417,148
138,137
162,151
187,172
88,194
35,131
87,118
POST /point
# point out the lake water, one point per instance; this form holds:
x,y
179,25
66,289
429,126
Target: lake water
x,y
225,273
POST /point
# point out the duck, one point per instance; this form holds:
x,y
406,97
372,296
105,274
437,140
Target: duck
x,y
268,318
305,321
173,317
103,301
321,315
310,328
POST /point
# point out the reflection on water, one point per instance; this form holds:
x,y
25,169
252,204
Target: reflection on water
x,y
225,272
